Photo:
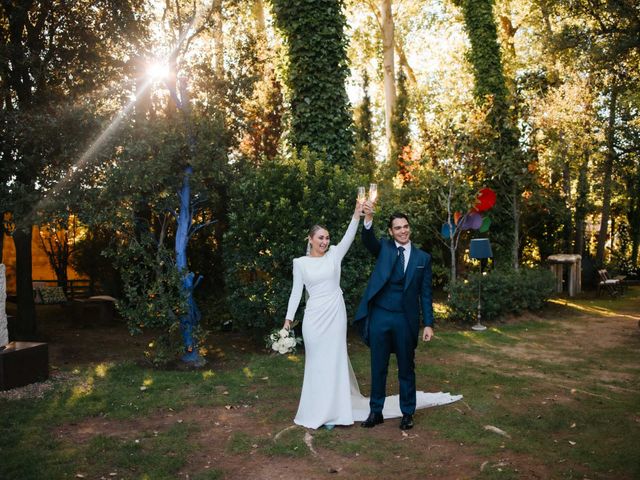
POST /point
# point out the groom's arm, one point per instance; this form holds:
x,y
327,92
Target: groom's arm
x,y
369,238
368,235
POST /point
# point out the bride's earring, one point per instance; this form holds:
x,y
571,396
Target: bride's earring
x,y
308,248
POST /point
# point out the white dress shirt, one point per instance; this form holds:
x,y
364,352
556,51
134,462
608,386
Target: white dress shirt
x,y
406,246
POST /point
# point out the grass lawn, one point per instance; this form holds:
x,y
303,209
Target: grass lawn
x,y
550,396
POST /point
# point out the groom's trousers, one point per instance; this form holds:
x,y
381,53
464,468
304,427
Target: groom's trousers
x,y
389,332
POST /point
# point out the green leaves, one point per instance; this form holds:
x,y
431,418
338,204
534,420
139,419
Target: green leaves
x,y
316,74
503,292
265,235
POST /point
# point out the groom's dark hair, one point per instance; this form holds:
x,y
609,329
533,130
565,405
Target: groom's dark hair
x,y
395,215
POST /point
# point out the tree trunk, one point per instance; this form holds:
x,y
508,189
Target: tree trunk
x,y
388,70
452,251
566,190
506,163
515,212
398,45
581,206
633,215
606,181
404,63
258,16
2,239
26,307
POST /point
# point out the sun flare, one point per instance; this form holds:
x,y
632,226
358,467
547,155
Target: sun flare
x,y
158,70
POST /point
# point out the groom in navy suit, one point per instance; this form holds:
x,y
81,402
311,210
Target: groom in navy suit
x,y
389,314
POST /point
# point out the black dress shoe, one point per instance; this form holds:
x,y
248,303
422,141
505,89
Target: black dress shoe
x,y
372,420
407,422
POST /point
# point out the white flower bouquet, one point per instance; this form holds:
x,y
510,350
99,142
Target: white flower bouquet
x,y
283,341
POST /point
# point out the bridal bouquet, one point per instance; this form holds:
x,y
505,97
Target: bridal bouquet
x,y
283,341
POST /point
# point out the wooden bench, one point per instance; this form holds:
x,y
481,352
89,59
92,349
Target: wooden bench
x,y
100,307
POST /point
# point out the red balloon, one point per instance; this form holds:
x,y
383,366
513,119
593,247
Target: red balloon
x,y
486,199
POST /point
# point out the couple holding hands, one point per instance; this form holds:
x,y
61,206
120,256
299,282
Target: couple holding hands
x,y
388,319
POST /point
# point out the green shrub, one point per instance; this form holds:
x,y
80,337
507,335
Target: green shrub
x,y
503,292
152,296
271,210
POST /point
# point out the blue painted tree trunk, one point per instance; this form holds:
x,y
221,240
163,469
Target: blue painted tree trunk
x,y
191,318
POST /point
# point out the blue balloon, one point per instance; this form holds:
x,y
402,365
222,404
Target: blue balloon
x,y
446,231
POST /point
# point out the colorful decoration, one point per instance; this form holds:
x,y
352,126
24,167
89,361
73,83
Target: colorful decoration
x,y
446,231
486,223
472,220
486,199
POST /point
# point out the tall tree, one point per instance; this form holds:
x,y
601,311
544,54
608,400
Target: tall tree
x,y
398,45
607,43
51,55
365,161
504,164
388,71
317,70
610,157
400,130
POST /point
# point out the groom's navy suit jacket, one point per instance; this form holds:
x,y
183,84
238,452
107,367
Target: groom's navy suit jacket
x,y
417,284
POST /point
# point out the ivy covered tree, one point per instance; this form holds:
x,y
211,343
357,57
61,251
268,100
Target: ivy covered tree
x,y
504,162
315,76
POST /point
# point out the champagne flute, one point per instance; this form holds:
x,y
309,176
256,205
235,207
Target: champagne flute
x,y
373,192
362,196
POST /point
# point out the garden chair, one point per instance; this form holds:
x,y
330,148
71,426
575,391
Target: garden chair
x,y
613,286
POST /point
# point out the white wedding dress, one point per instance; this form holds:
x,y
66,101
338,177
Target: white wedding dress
x,y
330,393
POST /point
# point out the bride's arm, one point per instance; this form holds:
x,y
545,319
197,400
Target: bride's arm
x,y
342,247
296,294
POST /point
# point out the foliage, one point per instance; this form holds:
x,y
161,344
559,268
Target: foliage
x,y
152,294
58,240
263,118
271,210
88,260
55,56
316,73
253,98
504,161
364,154
135,199
503,292
400,126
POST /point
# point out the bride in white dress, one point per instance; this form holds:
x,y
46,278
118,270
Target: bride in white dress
x,y
330,394
326,391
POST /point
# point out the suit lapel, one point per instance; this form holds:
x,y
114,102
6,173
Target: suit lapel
x,y
411,267
387,259
391,260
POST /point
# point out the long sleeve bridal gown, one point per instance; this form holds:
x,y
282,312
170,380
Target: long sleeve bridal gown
x,y
326,391
330,393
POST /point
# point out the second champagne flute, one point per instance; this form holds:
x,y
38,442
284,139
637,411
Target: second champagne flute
x,y
373,192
